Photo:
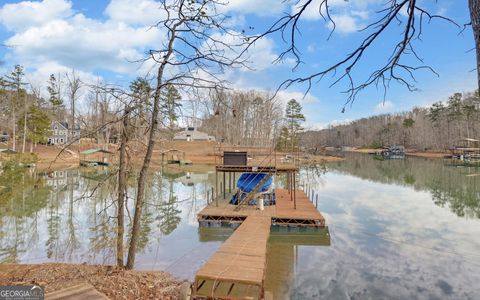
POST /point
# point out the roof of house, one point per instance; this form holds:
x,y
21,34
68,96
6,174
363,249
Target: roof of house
x,y
8,151
66,126
93,151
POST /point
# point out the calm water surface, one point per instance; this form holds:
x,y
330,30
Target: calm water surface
x,y
405,229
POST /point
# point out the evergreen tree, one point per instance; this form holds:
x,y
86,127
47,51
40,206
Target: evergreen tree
x,y
407,125
171,105
38,125
15,82
141,91
56,103
290,133
142,96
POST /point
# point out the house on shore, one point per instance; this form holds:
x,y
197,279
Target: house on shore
x,y
192,134
62,133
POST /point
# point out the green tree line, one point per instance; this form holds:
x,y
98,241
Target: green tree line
x,y
437,127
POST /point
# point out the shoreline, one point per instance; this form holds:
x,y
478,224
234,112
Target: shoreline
x,y
198,153
113,282
424,154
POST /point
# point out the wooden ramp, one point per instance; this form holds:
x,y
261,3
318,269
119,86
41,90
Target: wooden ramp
x,y
82,291
283,213
237,270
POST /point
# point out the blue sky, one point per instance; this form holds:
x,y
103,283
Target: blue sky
x,y
100,38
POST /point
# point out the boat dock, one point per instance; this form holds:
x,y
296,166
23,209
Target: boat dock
x,y
283,213
237,269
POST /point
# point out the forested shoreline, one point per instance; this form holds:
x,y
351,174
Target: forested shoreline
x,y
437,127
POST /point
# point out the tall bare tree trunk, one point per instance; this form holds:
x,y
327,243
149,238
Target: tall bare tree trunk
x,y
34,139
474,6
74,85
142,177
24,123
121,189
14,138
148,156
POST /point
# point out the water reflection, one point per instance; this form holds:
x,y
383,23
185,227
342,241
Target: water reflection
x,y
405,229
284,245
397,229
68,215
457,188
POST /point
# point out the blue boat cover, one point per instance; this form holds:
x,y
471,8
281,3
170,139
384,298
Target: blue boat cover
x,y
248,181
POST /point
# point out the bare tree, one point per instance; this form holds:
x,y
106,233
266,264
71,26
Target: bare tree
x,y
73,85
474,6
122,186
409,15
198,48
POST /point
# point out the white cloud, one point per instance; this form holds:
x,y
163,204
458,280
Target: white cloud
x,y
261,8
22,15
349,16
384,106
345,23
135,12
76,41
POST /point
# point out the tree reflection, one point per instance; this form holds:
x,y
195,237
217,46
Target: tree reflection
x,y
22,195
169,213
455,188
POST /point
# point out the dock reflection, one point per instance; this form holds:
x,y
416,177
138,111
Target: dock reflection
x,y
284,245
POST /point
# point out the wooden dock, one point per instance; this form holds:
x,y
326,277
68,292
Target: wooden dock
x,y
237,269
77,292
283,213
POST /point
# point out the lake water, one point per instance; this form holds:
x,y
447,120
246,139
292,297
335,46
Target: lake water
x,y
399,229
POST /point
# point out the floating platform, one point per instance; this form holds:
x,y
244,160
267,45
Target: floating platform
x,y
283,213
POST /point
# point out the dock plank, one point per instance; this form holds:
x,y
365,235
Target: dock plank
x,y
241,259
239,265
77,292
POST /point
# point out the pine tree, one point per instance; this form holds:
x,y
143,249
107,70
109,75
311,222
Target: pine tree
x,y
16,84
142,95
38,125
171,105
290,132
56,103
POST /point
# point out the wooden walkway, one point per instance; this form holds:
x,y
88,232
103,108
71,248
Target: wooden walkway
x,y
283,213
82,291
237,269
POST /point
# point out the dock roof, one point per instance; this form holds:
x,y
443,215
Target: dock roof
x,y
93,151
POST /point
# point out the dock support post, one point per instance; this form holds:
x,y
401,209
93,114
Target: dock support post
x,y
288,182
216,188
291,185
224,186
294,191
